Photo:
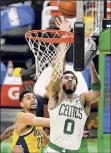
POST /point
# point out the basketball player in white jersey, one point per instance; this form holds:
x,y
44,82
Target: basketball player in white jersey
x,y
68,111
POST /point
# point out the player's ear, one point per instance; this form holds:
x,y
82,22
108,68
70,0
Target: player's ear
x,y
21,104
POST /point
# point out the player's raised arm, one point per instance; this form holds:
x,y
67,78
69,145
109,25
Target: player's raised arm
x,y
54,86
95,93
31,119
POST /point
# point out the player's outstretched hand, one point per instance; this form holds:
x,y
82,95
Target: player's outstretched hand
x,y
62,24
7,133
17,149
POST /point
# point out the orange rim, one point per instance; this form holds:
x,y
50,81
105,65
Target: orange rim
x,y
68,39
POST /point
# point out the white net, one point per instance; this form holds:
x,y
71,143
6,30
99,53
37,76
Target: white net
x,y
48,53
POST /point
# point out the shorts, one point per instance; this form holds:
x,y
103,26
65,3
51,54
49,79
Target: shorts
x,y
51,148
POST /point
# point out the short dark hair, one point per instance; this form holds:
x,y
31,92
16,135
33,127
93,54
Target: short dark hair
x,y
23,93
70,72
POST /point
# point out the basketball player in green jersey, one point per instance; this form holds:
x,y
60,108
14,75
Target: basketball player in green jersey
x,y
68,112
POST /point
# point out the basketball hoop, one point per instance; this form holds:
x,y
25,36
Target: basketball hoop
x,y
46,47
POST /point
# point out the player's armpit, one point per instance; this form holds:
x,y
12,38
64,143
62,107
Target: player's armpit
x,y
30,119
53,99
92,96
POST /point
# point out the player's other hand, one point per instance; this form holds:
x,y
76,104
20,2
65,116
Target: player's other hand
x,y
7,133
62,24
85,134
18,149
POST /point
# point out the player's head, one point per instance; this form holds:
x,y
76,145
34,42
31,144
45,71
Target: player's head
x,y
28,100
69,82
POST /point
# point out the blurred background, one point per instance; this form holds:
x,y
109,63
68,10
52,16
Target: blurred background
x,y
17,68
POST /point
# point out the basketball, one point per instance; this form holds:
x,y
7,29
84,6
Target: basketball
x,y
67,8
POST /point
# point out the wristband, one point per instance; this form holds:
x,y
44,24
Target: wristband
x,y
96,86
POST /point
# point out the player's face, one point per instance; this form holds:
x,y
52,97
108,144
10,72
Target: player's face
x,y
68,83
29,102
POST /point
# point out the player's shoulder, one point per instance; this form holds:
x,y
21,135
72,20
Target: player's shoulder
x,y
19,114
24,115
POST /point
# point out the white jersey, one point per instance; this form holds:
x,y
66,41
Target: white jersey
x,y
67,122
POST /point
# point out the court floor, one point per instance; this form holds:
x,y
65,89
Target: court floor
x,y
88,146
